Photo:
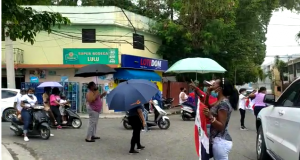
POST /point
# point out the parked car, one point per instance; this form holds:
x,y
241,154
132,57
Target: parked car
x,y
7,103
278,126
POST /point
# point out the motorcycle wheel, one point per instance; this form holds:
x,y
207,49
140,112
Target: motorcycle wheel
x,y
76,123
45,133
126,125
184,118
7,114
164,124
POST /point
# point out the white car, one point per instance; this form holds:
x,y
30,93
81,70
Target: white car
x,y
278,126
7,102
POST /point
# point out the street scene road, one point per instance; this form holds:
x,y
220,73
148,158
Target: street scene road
x,y
176,143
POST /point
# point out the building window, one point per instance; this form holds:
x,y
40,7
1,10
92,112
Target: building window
x,y
88,35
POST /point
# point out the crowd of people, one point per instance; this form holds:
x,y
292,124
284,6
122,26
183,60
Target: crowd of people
x,y
54,105
218,98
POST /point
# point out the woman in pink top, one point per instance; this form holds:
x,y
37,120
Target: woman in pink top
x,y
54,105
94,106
259,101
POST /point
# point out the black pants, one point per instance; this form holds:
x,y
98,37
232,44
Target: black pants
x,y
136,125
256,112
243,114
56,113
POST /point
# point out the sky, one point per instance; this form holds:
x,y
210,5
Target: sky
x,y
281,36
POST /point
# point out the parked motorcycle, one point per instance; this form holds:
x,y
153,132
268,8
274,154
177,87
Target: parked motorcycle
x,y
167,102
73,119
160,118
39,125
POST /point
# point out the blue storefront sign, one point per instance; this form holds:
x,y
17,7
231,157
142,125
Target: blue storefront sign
x,y
129,61
34,79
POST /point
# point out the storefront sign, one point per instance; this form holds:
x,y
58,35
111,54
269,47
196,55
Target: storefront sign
x,y
34,79
129,61
90,56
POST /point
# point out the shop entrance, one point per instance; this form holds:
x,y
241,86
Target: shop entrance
x,y
18,81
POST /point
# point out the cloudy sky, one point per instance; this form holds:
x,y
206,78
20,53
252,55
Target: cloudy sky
x,y
284,25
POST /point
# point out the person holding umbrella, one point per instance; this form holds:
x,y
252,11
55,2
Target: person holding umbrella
x,y
130,96
137,121
46,101
94,107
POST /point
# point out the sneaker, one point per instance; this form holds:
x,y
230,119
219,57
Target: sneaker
x,y
243,128
64,122
141,147
59,127
52,135
26,139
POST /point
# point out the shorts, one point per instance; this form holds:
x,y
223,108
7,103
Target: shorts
x,y
62,110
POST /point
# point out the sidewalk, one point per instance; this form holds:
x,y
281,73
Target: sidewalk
x,y
5,153
122,114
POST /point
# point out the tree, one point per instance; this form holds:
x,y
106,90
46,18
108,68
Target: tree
x,y
281,66
232,32
24,22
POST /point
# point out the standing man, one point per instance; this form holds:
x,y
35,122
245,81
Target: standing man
x,y
17,102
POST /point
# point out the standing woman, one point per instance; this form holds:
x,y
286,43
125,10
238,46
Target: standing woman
x,y
31,101
94,107
137,122
219,115
46,101
259,101
54,105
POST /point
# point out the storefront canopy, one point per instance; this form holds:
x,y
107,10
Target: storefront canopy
x,y
126,74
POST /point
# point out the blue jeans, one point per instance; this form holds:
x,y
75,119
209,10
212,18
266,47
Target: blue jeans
x,y
221,148
26,120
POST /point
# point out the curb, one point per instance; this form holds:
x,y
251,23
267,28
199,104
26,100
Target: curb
x,y
5,153
119,116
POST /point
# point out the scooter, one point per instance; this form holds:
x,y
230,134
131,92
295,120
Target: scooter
x,y
73,119
160,118
167,102
39,125
187,112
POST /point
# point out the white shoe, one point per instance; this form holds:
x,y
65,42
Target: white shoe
x,y
26,139
52,135
64,122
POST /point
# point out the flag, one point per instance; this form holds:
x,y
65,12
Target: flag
x,y
201,134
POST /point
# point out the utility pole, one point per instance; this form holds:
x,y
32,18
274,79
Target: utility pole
x,y
10,64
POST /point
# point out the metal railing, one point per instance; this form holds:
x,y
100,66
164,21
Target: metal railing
x,y
18,55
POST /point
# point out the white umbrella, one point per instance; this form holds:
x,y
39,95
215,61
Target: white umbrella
x,y
50,84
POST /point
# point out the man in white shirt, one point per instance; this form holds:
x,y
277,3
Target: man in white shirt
x,y
17,102
242,107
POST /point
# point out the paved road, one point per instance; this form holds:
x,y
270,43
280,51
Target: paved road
x,y
177,143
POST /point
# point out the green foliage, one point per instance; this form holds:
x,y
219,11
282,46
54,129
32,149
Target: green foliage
x,y
281,66
232,32
24,22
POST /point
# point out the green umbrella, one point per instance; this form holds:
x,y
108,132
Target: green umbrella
x,y
196,65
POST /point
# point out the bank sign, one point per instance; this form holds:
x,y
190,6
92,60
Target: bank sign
x,y
129,61
87,56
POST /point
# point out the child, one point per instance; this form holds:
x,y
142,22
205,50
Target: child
x,y
62,108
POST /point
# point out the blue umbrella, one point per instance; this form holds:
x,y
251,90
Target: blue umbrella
x,y
131,94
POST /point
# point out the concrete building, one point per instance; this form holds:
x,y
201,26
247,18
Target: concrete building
x,y
57,56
